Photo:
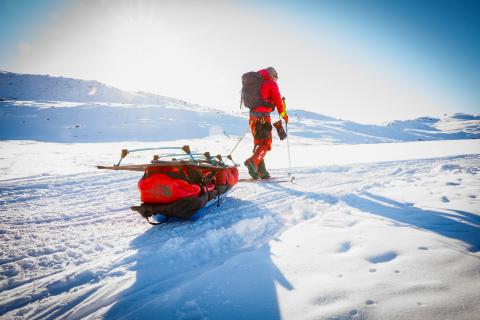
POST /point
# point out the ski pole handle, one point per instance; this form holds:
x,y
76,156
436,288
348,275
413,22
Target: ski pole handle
x,y
284,112
284,105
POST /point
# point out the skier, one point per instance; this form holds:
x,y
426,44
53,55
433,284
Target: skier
x,y
260,123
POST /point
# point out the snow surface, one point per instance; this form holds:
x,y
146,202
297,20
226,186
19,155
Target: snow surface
x,y
67,110
366,231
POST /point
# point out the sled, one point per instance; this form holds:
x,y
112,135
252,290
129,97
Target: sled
x,y
157,216
181,188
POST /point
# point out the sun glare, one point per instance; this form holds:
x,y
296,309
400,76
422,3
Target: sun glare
x,y
138,44
196,51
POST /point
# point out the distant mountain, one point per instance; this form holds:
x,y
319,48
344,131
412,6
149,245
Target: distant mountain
x,y
57,109
449,127
15,86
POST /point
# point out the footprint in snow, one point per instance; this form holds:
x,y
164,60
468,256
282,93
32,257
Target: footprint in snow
x,y
352,313
423,248
369,302
445,199
385,257
326,299
372,270
452,184
344,247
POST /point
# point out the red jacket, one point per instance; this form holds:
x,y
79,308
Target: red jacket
x,y
269,92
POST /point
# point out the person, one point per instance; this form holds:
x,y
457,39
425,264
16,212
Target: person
x,y
260,123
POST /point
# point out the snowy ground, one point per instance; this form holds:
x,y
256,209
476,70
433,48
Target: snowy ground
x,y
351,239
381,222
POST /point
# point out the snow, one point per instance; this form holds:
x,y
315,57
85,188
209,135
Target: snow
x,y
367,230
56,109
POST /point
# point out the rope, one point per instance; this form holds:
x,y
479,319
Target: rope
x,y
241,138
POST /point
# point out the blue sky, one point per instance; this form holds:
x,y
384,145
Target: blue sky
x,y
362,60
22,19
439,38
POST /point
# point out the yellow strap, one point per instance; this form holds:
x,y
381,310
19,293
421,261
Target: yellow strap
x,y
284,112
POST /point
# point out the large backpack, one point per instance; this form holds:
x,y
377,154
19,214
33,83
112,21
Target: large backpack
x,y
251,85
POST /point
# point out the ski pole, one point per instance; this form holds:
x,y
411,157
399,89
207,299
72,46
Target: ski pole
x,y
289,158
288,142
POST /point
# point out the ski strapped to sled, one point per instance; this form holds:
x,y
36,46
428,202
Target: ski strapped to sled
x,y
188,158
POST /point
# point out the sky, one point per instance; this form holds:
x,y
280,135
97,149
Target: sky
x,y
361,60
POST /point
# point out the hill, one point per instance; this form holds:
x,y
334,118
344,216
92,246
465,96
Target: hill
x,y
57,109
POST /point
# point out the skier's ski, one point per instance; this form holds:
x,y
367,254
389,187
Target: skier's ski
x,y
271,179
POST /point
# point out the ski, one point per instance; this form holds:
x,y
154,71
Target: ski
x,y
143,167
271,179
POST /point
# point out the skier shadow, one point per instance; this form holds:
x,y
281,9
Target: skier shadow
x,y
205,269
464,226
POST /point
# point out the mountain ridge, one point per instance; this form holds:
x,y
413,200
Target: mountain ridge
x,y
18,86
57,109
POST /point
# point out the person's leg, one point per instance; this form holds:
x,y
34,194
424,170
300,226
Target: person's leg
x,y
262,138
267,146
249,163
262,170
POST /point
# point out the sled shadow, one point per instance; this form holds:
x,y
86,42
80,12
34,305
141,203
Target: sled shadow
x,y
466,230
206,269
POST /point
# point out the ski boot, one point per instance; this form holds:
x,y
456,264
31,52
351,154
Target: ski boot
x,y
262,170
252,171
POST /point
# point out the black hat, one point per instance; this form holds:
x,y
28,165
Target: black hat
x,y
272,72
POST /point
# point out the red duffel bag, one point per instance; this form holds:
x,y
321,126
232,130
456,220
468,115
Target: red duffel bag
x,y
227,176
160,188
233,176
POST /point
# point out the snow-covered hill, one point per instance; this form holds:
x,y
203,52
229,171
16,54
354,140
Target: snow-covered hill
x,y
68,110
367,230
457,126
17,86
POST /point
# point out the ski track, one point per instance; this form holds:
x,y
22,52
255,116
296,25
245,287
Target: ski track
x,y
70,246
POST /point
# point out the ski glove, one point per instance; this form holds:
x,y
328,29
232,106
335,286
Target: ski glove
x,y
280,131
284,115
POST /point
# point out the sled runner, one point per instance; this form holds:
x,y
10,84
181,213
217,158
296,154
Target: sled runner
x,y
182,188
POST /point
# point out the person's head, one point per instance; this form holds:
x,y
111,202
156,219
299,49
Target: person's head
x,y
272,73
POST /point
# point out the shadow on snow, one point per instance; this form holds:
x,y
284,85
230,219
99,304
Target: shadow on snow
x,y
464,226
204,269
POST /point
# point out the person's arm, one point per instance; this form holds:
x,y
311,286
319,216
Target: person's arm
x,y
278,102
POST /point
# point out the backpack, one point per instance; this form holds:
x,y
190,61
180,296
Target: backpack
x,y
251,84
